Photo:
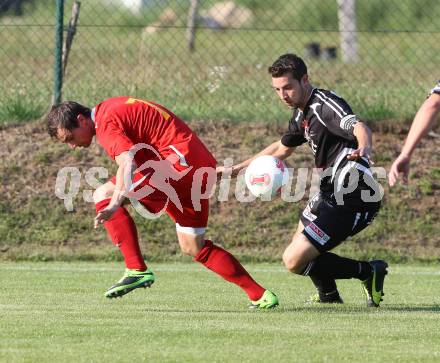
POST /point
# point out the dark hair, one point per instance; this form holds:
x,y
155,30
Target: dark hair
x,y
288,63
64,116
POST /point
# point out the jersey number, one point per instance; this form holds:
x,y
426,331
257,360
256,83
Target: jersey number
x,y
164,114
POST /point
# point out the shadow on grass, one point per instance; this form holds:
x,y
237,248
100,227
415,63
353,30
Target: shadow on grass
x,y
363,309
206,311
417,308
299,308
310,309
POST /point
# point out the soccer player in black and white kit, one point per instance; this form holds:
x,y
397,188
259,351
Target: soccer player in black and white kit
x,y
423,121
349,197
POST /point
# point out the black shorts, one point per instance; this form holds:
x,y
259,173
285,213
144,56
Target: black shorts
x,y
327,224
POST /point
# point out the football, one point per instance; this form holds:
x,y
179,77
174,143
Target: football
x,y
265,176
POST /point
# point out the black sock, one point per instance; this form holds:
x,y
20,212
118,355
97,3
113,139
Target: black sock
x,y
324,285
331,266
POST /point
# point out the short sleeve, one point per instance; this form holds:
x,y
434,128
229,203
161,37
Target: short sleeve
x,y
436,89
113,138
335,113
294,135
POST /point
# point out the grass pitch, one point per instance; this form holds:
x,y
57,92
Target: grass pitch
x,y
56,312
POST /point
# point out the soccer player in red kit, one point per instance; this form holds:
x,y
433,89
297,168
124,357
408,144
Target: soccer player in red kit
x,y
162,165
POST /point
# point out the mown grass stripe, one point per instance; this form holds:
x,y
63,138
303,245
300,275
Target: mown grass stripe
x,y
184,267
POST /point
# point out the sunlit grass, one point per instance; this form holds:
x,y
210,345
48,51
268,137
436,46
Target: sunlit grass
x,y
57,312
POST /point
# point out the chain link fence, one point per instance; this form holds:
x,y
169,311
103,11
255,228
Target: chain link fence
x,y
207,59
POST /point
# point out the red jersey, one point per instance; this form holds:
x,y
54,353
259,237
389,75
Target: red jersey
x,y
122,122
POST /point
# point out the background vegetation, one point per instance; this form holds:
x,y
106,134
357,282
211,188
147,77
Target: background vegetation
x,y
224,92
34,223
225,78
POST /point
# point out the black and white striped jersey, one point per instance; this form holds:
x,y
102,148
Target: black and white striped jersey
x,y
436,88
327,126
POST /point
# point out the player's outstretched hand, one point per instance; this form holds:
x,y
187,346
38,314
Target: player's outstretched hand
x,y
400,165
104,215
361,152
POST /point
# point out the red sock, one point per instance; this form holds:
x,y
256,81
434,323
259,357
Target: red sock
x,y
123,233
223,263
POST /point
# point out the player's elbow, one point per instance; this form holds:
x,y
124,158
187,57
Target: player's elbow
x,y
361,127
283,152
434,101
103,192
126,160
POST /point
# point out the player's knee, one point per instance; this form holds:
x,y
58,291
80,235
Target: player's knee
x,y
293,263
189,250
190,244
103,192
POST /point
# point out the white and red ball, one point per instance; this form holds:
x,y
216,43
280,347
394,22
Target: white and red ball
x,y
265,176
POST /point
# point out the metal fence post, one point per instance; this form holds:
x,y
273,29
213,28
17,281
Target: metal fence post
x,y
191,24
347,30
58,72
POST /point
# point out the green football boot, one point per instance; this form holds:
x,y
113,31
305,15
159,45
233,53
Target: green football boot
x,y
328,298
373,286
268,301
131,280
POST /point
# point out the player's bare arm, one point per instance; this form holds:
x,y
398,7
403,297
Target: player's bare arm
x,y
276,149
126,164
422,123
365,142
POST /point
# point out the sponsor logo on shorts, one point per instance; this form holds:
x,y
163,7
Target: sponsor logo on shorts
x,y
317,234
307,213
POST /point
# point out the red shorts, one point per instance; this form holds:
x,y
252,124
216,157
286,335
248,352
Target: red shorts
x,y
182,198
